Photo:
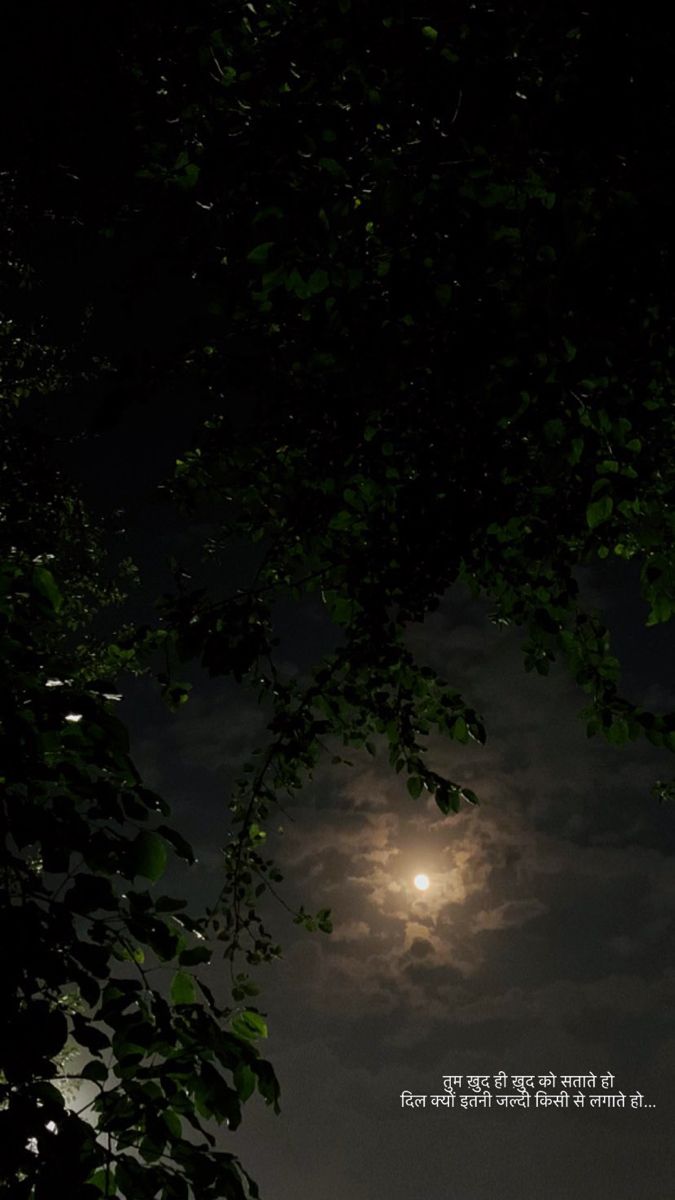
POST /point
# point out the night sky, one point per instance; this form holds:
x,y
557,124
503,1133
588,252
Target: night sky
x,y
544,942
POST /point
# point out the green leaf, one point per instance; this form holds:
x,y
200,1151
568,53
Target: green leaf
x,y
296,284
259,254
333,167
183,988
323,920
459,730
189,176
148,855
317,282
430,33
448,798
104,1181
661,610
443,292
415,786
46,585
599,511
341,608
244,1081
268,1085
172,1122
249,1025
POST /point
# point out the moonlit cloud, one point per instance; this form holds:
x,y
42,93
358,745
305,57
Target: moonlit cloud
x,y
544,941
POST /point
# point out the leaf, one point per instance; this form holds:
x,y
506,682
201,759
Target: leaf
x,y
469,796
448,798
215,1099
183,988
661,610
317,282
46,585
333,167
104,1181
442,798
268,1085
599,511
341,608
95,1070
197,954
88,1035
190,176
323,920
296,284
249,1025
415,786
148,855
244,1081
180,845
459,730
258,255
176,694
172,1122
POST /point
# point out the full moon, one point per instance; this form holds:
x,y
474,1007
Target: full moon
x,y
421,882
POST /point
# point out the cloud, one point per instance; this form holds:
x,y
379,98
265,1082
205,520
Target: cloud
x,y
512,913
545,938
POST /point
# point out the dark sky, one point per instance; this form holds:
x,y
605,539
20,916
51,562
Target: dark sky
x,y
543,944
545,940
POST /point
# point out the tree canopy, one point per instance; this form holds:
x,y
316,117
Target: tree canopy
x,y
416,268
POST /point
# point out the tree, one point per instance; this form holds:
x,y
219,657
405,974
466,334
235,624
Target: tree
x,y
433,251
95,963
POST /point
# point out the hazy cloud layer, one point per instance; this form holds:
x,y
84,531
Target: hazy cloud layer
x,y
544,942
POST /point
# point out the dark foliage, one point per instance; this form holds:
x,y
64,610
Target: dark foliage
x,y
429,255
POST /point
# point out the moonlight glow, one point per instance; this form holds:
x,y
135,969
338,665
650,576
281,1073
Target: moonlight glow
x,y
421,882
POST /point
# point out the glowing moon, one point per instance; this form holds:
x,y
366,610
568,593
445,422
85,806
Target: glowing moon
x,y
421,882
